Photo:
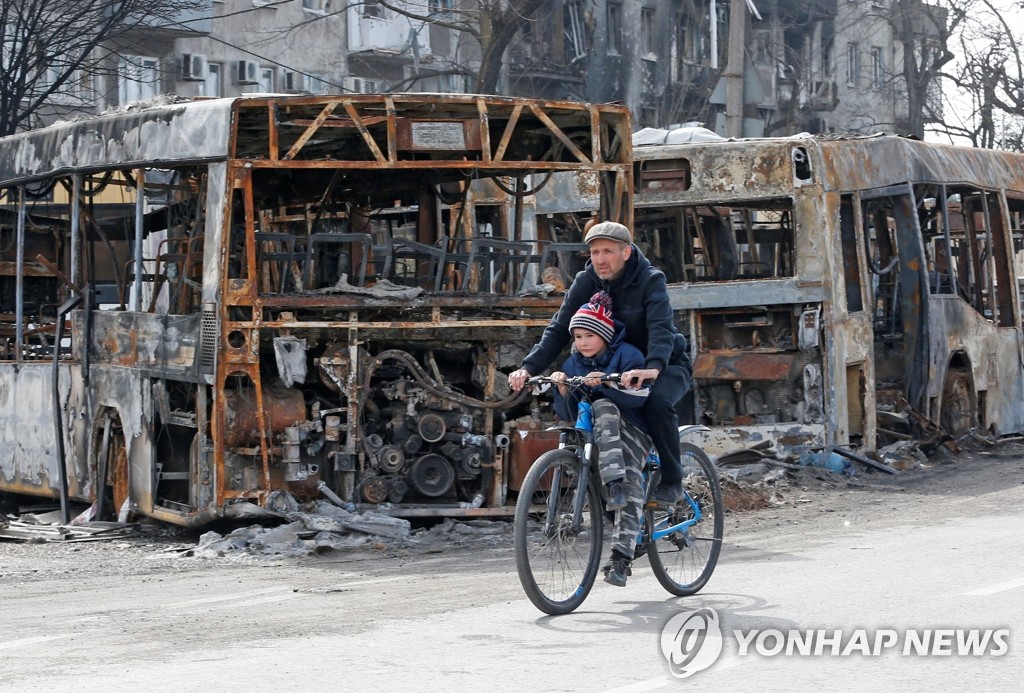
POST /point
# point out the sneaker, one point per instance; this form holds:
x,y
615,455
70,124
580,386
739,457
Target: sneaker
x,y
669,493
616,572
616,496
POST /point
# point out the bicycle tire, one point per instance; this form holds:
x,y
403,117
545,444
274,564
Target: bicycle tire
x,y
684,561
556,567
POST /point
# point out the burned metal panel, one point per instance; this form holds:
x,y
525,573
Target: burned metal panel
x,y
569,191
872,162
169,343
124,391
993,353
28,452
787,439
194,131
730,170
689,296
217,205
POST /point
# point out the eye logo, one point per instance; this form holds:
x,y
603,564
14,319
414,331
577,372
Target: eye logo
x,y
691,641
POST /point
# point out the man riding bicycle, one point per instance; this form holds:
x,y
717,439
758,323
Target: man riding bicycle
x,y
639,294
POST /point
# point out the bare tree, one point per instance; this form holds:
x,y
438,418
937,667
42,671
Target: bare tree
x,y
924,30
489,26
986,101
49,48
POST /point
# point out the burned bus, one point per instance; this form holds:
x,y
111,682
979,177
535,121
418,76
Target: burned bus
x,y
219,307
836,286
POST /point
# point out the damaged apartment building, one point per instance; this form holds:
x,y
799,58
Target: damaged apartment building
x,y
740,67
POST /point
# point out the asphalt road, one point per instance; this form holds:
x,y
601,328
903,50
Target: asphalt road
x,y
893,568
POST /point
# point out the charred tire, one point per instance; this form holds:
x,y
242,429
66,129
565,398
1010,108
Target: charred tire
x,y
556,565
959,403
684,560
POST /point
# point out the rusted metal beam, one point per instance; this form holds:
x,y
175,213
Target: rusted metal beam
x,y
367,137
413,325
506,137
557,132
311,130
389,104
744,365
485,132
272,132
530,166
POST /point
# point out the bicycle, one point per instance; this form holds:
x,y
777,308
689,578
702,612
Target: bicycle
x,y
558,528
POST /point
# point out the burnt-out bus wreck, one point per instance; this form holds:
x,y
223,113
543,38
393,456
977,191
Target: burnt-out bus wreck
x,y
214,305
837,287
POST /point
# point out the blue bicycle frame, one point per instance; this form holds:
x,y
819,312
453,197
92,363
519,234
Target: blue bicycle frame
x,y
585,423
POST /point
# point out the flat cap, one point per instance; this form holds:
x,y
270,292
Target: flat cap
x,y
609,229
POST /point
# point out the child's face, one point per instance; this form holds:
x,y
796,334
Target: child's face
x,y
587,343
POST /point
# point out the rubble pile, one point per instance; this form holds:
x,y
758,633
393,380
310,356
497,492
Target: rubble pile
x,y
327,527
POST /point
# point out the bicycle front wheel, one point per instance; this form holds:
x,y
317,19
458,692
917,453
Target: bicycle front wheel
x,y
557,561
684,560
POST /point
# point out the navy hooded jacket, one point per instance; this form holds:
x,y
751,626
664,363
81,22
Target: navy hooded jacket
x,y
639,302
618,356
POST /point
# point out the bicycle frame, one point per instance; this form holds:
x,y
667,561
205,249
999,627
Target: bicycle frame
x,y
585,426
560,494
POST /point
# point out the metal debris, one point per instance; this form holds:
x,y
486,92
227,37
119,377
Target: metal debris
x,y
34,532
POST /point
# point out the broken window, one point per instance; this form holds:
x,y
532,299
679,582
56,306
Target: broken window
x,y
853,64
1016,207
851,259
877,67
647,33
614,28
883,259
981,257
575,31
740,242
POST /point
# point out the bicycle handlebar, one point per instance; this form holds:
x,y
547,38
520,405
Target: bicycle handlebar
x,y
574,381
578,381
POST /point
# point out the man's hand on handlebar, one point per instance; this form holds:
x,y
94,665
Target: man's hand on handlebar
x,y
635,379
517,379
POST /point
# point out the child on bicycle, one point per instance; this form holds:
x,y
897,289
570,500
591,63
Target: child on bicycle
x,y
599,348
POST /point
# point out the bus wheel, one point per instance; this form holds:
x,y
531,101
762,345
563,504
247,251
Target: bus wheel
x,y
959,406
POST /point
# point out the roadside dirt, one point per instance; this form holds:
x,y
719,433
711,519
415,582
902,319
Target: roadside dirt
x,y
805,500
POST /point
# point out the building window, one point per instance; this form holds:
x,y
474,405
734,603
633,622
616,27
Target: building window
x,y
440,7
138,78
877,68
318,85
614,28
647,33
316,6
573,19
211,86
373,8
853,64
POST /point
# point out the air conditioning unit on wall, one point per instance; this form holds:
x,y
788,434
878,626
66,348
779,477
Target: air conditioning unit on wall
x,y
193,67
296,81
247,72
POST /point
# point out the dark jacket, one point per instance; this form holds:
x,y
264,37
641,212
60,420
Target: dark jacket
x,y
639,302
619,356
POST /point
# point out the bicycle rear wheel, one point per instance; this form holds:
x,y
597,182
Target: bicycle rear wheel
x,y
556,563
684,560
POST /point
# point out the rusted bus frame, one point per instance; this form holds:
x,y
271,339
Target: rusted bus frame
x,y
863,169
612,117
362,164
171,135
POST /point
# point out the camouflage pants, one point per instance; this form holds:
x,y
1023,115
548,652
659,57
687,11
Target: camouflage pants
x,y
622,450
